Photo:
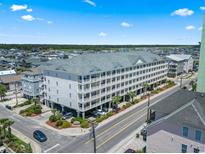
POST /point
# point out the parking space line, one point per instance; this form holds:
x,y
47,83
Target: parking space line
x,y
51,148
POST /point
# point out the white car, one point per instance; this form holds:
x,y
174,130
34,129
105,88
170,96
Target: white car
x,y
2,149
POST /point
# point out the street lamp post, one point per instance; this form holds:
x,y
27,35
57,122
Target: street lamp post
x,y
92,121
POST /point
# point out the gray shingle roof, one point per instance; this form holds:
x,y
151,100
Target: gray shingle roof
x,y
100,62
182,107
178,99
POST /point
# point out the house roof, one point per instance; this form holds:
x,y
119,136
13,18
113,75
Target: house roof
x,y
7,72
10,79
179,57
101,62
183,106
33,71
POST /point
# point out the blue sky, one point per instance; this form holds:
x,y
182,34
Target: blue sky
x,y
101,21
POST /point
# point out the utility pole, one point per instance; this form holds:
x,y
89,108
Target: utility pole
x,y
92,121
148,104
16,93
181,78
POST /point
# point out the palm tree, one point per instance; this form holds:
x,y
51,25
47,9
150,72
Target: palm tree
x,y
8,124
2,91
54,112
116,100
131,94
146,86
3,125
35,100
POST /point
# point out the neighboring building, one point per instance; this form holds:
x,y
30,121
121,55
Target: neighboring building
x,y
32,83
7,72
11,82
201,72
179,124
89,81
179,64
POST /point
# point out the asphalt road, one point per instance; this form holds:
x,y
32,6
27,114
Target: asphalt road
x,y
107,135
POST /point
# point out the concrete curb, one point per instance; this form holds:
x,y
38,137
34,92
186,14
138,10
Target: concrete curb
x,y
35,146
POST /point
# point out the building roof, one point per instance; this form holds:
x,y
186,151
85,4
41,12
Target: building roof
x,y
100,62
10,79
179,57
7,72
182,107
33,71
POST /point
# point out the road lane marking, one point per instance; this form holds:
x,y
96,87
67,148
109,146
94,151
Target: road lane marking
x,y
111,137
107,129
51,148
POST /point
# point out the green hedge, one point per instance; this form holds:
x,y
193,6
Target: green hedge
x,y
28,102
34,109
85,124
66,124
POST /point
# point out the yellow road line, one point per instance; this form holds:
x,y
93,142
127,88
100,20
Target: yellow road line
x,y
107,129
118,132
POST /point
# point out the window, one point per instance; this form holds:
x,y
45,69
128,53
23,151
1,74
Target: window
x,y
197,135
196,150
184,148
185,131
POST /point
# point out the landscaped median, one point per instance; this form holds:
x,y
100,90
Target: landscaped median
x,y
11,141
57,122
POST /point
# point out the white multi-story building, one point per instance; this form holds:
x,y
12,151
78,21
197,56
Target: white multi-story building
x,y
32,83
179,64
89,81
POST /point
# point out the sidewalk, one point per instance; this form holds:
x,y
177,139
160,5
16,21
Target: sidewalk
x,y
35,146
132,108
130,142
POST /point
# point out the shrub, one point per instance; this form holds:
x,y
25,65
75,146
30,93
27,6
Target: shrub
x,y
99,119
52,118
109,114
66,124
85,124
136,101
58,123
77,119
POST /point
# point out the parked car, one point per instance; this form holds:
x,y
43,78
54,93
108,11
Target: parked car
x,y
8,107
130,151
39,135
2,149
67,115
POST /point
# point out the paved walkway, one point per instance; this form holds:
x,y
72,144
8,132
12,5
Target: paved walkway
x,y
130,142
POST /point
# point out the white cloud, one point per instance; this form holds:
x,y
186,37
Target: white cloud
x,y
190,27
182,12
29,10
27,17
200,28
50,22
90,2
125,24
202,7
15,7
102,34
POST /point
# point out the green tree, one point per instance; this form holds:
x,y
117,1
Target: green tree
x,y
146,87
132,95
35,100
194,85
54,112
3,126
116,100
8,124
2,91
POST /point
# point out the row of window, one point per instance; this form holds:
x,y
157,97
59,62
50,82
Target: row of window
x,y
198,133
184,149
108,81
114,72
